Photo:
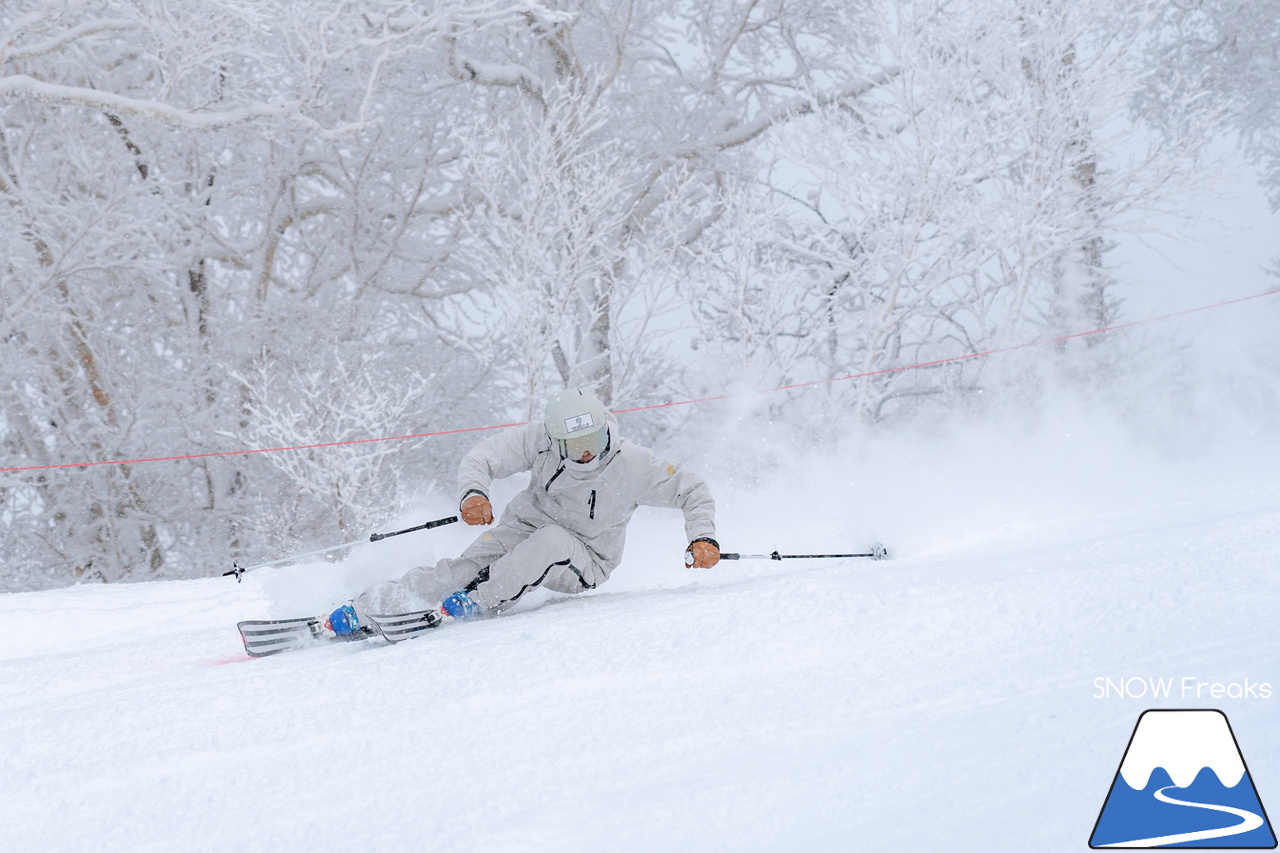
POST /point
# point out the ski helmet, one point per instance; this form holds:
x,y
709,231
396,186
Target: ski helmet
x,y
576,423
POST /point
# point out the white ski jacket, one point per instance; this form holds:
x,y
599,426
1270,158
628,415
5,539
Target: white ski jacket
x,y
595,505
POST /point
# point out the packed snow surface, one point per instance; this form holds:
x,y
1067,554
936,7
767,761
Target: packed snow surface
x,y
951,698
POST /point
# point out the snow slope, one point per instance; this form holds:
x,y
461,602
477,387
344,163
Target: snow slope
x,y
943,700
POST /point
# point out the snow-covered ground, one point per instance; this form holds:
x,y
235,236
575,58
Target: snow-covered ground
x,y
942,700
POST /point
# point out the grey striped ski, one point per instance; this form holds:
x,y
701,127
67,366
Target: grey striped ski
x,y
271,637
395,627
262,639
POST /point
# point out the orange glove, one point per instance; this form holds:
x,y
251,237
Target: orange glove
x,y
476,509
702,554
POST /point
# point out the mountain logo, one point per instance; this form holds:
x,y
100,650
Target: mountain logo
x,y
1183,783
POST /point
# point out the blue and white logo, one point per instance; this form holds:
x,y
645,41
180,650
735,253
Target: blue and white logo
x,y
577,422
1183,783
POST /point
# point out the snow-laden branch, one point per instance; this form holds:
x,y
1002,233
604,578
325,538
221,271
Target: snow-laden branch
x,y
24,86
543,22
492,74
645,200
10,53
798,106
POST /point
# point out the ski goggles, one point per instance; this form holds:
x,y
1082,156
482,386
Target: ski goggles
x,y
595,443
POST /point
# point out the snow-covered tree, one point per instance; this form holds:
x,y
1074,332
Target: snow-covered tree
x,y
965,201
665,97
211,213
1226,52
183,189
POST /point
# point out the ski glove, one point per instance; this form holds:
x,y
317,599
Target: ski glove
x,y
476,509
702,554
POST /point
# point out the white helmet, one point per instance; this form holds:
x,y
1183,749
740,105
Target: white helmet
x,y
576,423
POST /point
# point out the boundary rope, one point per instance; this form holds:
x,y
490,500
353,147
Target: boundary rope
x,y
793,386
967,356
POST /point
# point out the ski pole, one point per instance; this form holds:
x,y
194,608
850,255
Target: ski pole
x,y
439,522
877,552
239,571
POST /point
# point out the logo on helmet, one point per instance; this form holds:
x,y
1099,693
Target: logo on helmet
x,y
579,422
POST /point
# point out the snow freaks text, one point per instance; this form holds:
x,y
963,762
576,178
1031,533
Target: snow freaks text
x,y
1183,687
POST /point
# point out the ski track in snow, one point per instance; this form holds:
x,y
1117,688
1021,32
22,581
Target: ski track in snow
x,y
942,700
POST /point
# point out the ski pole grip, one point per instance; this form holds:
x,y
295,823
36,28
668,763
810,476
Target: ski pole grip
x,y
731,556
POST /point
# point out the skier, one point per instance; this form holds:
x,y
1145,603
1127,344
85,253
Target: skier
x,y
564,532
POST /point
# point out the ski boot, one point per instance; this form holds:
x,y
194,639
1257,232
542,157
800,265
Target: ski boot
x,y
343,622
460,606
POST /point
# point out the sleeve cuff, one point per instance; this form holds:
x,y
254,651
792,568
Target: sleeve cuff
x,y
468,493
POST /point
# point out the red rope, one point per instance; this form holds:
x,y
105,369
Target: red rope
x,y
808,384
965,357
255,450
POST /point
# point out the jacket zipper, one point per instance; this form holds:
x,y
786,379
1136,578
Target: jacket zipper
x,y
593,503
559,471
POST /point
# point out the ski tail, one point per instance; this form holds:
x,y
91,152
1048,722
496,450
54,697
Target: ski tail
x,y
262,639
395,627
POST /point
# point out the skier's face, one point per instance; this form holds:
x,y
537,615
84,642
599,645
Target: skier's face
x,y
587,456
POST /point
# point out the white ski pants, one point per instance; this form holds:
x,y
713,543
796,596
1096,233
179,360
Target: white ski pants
x,y
496,569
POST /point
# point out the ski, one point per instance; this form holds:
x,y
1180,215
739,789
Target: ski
x,y
265,638
271,637
396,627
